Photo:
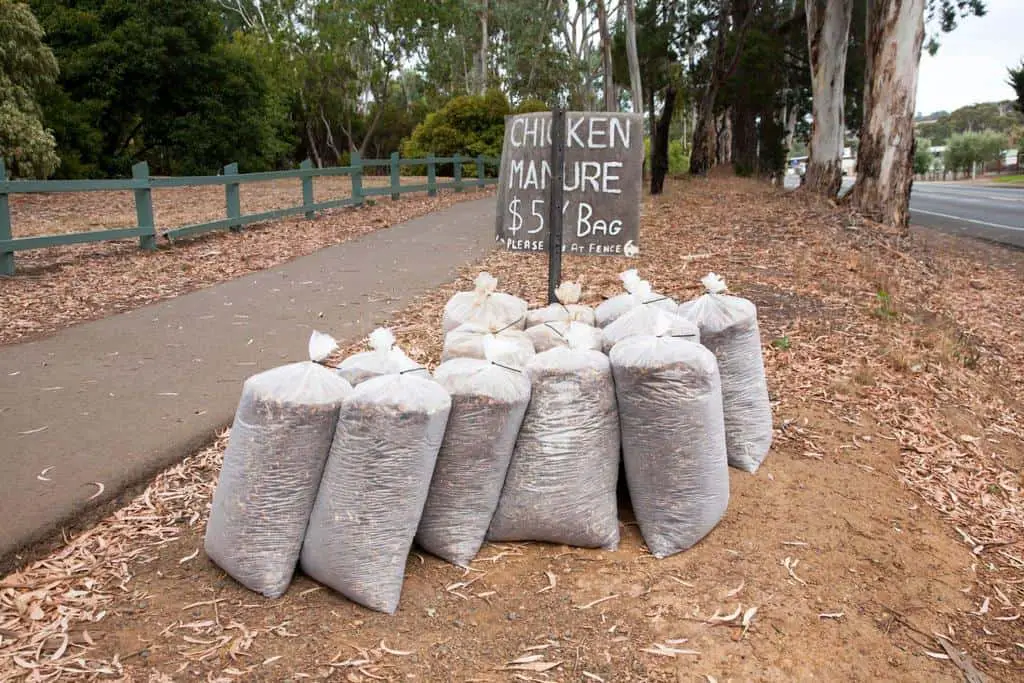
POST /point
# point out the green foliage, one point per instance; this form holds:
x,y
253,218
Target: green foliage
x,y
532,105
26,67
997,116
1016,82
782,343
153,80
884,306
963,150
678,159
468,125
922,156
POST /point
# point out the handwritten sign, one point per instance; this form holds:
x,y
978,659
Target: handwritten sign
x,y
602,178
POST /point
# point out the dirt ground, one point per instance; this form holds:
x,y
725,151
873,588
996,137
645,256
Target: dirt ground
x,y
60,286
880,540
49,214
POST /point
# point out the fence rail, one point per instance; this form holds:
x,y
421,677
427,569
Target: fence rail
x,y
142,185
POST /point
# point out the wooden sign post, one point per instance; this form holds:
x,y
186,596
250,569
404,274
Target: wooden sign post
x,y
570,182
556,233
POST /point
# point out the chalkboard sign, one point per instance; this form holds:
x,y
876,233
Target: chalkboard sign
x,y
602,179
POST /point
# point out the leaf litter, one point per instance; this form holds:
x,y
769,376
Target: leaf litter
x,y
890,378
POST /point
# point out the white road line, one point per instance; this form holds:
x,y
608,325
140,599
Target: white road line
x,y
967,220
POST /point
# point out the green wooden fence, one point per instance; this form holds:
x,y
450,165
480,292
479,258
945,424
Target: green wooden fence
x,y
142,185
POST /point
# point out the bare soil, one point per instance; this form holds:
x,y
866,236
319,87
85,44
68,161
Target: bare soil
x,y
880,540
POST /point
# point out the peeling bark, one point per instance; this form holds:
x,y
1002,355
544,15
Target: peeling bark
x,y
828,33
885,158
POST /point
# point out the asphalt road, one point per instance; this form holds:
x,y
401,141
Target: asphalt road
x,y
993,213
986,212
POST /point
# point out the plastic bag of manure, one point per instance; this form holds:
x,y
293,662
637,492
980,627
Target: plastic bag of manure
x,y
728,327
279,443
489,400
547,336
508,345
673,439
561,483
646,319
374,486
609,310
383,358
485,306
568,308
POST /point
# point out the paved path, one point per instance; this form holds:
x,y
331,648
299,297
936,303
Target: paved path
x,y
118,399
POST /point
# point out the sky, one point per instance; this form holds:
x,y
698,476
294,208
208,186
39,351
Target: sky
x,y
971,63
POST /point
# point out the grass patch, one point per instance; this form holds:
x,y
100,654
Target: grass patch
x,y
1016,179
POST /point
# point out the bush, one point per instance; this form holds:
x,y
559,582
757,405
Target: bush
x,y
922,156
467,125
678,159
963,150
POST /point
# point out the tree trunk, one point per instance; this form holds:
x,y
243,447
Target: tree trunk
x,y
606,56
705,134
484,40
743,121
790,126
631,57
723,138
659,143
885,158
828,33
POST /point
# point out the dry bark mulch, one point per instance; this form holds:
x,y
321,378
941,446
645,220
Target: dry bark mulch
x,y
880,540
61,286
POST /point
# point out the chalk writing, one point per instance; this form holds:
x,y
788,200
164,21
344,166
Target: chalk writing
x,y
601,181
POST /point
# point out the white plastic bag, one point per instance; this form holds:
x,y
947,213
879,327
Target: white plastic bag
x,y
473,340
646,319
547,336
637,292
485,306
728,327
488,404
276,453
561,483
383,358
567,309
374,486
673,439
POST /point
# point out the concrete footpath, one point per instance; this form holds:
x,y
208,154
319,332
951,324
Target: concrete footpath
x,y
117,400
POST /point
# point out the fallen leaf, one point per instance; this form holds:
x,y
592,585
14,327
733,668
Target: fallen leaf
x,y
597,602
536,667
397,653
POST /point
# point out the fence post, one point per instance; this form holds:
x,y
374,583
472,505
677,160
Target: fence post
x,y
396,180
431,176
357,177
307,189
6,257
232,200
144,207
480,170
457,172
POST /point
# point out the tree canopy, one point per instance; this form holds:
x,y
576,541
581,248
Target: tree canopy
x,y
27,66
